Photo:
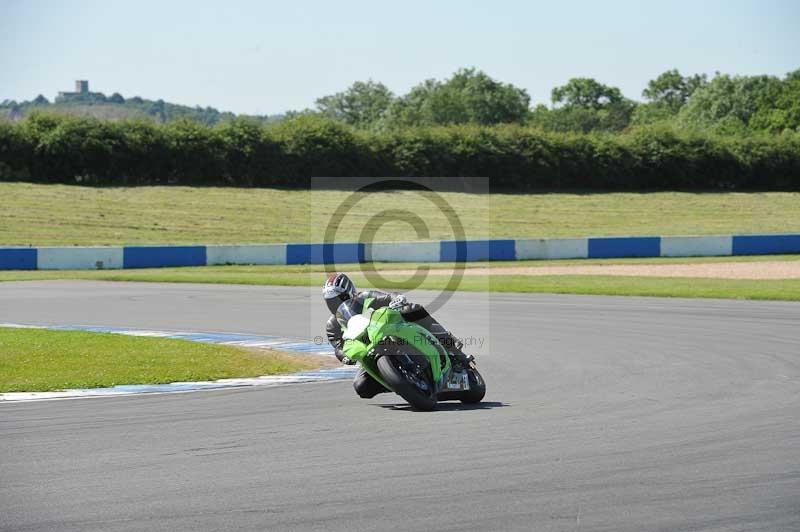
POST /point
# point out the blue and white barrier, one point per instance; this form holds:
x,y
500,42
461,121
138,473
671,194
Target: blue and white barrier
x,y
90,258
52,258
246,254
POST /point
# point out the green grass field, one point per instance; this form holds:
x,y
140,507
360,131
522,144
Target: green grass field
x,y
787,290
43,360
71,215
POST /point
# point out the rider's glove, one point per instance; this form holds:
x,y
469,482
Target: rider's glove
x,y
347,361
398,302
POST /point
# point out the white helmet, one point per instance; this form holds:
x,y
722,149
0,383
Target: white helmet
x,y
337,288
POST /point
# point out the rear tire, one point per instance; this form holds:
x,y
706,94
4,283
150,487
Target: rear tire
x,y
477,387
394,377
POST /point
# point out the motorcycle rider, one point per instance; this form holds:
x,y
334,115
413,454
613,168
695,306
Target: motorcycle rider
x,y
339,288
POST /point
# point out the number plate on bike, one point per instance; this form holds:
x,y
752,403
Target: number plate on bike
x,y
458,381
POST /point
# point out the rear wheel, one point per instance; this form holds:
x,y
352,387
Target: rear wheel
x,y
409,376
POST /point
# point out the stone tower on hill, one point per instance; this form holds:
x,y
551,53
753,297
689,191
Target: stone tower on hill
x,y
81,88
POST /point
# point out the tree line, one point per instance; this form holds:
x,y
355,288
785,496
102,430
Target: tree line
x,y
117,107
691,132
722,105
725,104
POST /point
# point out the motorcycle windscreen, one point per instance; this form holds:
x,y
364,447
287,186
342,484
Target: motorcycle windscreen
x,y
356,326
347,310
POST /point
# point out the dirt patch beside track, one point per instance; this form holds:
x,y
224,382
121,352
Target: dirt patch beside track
x,y
714,270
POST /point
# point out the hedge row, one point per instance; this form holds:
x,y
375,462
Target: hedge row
x,y
59,149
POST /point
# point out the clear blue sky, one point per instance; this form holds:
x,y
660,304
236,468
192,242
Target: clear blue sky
x,y
267,57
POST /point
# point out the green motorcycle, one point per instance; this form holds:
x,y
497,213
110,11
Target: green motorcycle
x,y
405,357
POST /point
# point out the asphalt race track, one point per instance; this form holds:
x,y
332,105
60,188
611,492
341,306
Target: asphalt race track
x,y
602,414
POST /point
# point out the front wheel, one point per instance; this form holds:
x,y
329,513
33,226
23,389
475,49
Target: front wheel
x,y
401,378
477,387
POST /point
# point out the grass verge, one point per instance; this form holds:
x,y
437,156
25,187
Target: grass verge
x,y
788,290
614,285
34,214
44,360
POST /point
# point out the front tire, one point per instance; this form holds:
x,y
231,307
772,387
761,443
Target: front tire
x,y
477,387
388,365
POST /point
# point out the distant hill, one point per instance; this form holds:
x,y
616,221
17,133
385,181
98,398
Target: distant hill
x,y
116,107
